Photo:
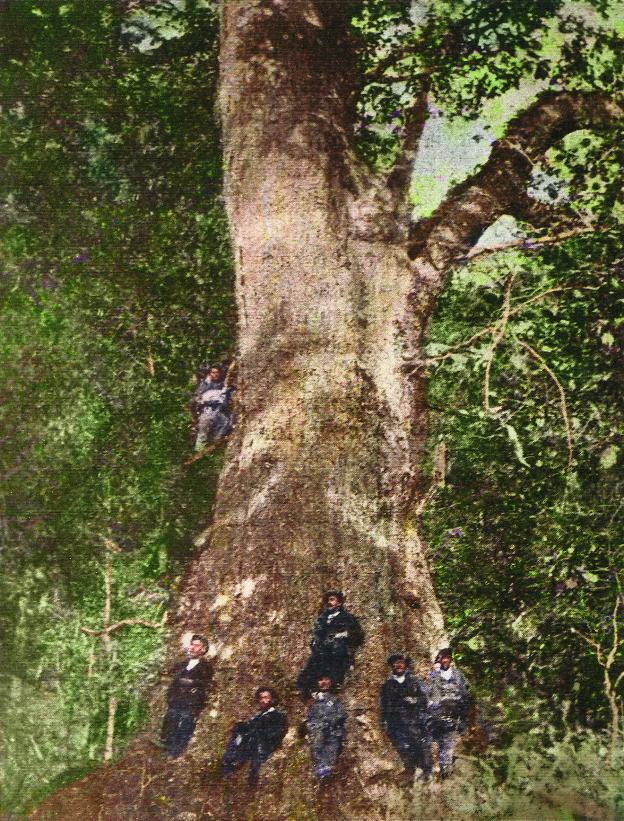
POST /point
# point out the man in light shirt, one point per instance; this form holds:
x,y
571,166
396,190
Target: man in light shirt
x,y
186,697
448,699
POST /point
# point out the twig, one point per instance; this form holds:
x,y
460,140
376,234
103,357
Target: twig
x,y
499,333
124,623
490,328
208,449
529,244
562,397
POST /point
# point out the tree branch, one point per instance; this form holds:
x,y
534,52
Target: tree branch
x,y
500,186
399,177
562,397
124,623
498,334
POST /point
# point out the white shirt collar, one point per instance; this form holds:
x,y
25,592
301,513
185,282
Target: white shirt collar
x,y
192,663
400,678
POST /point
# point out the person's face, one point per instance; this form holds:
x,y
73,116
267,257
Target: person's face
x,y
445,662
196,649
333,601
265,699
399,667
214,374
324,684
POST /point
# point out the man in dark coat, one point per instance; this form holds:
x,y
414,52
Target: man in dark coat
x,y
337,634
404,717
257,738
186,697
448,704
325,724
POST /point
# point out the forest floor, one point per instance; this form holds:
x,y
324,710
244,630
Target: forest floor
x,y
146,786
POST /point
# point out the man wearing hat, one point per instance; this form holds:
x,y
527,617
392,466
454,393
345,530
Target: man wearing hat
x,y
337,634
257,738
404,716
448,704
186,697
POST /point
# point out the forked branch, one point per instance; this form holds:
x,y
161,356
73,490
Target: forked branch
x,y
500,185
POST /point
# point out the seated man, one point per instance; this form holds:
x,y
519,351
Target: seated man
x,y
404,717
257,738
337,634
186,697
448,705
212,402
325,724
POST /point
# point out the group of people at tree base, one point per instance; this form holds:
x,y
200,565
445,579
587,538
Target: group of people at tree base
x,y
414,713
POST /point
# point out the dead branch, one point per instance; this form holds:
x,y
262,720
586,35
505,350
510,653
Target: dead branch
x,y
562,397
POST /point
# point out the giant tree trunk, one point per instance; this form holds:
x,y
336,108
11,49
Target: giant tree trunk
x,y
322,473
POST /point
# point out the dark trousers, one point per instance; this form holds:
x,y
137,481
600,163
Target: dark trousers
x,y
446,739
332,659
177,730
239,752
413,748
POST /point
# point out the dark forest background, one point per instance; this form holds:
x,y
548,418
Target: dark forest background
x,y
116,283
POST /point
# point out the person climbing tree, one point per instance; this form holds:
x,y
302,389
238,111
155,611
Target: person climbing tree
x,y
404,717
212,401
256,739
337,634
186,697
325,724
448,704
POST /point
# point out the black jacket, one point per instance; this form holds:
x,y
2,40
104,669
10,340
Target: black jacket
x,y
335,621
188,688
403,704
264,731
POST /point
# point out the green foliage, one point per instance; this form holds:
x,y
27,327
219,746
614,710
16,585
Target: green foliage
x,y
526,540
117,285
538,775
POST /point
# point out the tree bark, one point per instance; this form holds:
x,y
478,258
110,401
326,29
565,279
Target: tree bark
x,y
323,475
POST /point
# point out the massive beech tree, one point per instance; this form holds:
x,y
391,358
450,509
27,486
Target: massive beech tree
x,y
324,474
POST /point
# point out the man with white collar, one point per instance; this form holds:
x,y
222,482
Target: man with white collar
x,y
337,634
325,724
257,738
448,705
186,697
404,717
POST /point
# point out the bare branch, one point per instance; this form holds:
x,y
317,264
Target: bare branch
x,y
599,652
399,177
205,451
467,343
562,397
499,333
124,623
532,244
500,186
